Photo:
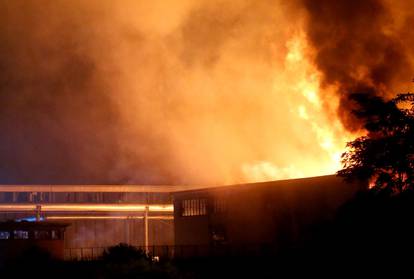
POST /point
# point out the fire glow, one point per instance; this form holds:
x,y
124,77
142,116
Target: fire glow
x,y
189,92
329,135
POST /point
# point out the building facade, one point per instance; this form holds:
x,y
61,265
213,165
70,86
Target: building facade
x,y
17,238
256,218
99,216
180,220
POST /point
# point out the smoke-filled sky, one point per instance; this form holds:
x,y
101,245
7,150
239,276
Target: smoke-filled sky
x,y
190,92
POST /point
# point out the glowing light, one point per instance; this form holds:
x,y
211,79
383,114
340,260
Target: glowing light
x,y
88,207
114,217
98,188
17,207
316,129
265,171
302,112
311,95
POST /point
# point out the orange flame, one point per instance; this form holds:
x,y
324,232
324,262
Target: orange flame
x,y
314,114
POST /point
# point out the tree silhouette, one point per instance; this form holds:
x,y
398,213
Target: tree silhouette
x,y
385,155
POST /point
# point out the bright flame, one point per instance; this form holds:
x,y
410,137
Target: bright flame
x,y
328,136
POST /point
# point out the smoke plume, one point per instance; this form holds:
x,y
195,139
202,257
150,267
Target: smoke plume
x,y
361,47
186,91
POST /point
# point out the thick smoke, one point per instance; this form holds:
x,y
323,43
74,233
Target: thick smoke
x,y
361,47
182,91
53,124
134,91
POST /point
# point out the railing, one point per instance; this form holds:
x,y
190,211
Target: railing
x,y
179,251
84,253
93,253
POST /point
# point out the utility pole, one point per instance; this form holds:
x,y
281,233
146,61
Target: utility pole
x,y
146,244
38,210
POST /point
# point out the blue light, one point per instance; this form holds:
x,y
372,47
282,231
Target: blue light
x,y
29,219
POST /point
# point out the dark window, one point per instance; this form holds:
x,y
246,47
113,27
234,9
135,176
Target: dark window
x,y
45,197
7,197
219,205
4,235
21,234
112,197
55,234
218,235
36,196
23,197
194,207
42,235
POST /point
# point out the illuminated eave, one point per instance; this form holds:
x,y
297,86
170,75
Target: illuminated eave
x,y
98,188
114,217
87,207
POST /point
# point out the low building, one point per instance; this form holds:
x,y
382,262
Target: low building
x,y
179,220
255,218
99,215
18,237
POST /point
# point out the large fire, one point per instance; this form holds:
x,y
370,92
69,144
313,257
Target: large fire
x,y
190,92
328,134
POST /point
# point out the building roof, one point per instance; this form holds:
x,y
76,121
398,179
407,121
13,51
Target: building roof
x,y
55,188
24,225
318,180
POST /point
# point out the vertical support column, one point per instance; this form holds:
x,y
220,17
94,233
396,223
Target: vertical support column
x,y
38,210
127,234
146,242
95,242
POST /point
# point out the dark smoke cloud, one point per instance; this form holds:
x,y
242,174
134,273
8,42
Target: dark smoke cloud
x,y
54,127
182,91
124,92
359,49
58,120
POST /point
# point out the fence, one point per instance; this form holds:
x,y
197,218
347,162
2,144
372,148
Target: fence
x,y
93,253
179,251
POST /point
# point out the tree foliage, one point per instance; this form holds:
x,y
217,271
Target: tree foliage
x,y
385,155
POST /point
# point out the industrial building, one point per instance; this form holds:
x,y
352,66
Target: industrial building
x,y
256,218
99,215
18,237
179,220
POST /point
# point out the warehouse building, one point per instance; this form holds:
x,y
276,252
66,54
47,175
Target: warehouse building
x,y
17,238
255,218
180,220
99,216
